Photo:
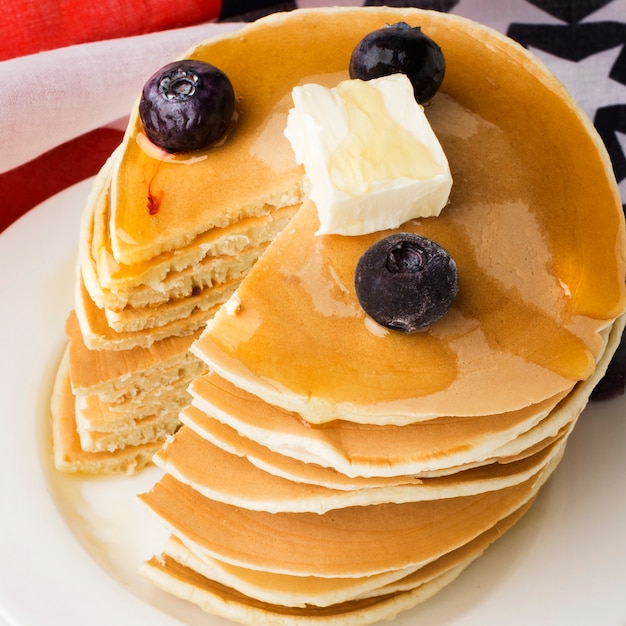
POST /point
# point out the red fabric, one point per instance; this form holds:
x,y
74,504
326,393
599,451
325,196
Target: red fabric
x,y
30,184
30,26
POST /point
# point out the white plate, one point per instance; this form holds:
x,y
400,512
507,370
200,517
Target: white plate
x,y
69,547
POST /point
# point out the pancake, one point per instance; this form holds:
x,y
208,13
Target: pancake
x,y
137,319
307,472
298,591
218,257
124,403
134,430
69,455
480,359
236,480
109,371
355,450
187,584
338,543
320,446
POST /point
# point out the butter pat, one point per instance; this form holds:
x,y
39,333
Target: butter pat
x,y
371,157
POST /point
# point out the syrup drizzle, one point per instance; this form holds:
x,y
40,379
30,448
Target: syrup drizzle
x,y
154,199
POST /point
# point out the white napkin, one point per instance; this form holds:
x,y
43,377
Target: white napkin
x,y
52,97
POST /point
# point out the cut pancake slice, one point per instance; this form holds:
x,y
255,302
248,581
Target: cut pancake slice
x,y
145,430
69,455
112,372
98,334
96,413
217,256
125,403
115,389
151,317
250,172
104,412
136,429
171,274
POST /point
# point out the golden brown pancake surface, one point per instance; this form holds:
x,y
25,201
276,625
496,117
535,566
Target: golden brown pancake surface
x,y
536,290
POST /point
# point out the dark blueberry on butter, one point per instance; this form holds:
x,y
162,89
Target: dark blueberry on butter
x,y
400,48
406,282
186,105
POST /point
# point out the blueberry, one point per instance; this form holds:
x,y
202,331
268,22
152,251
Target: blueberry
x,y
400,48
406,282
186,105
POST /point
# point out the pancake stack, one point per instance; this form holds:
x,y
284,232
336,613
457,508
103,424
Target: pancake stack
x,y
128,360
157,257
330,470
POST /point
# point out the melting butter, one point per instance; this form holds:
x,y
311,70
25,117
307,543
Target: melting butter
x,y
371,157
377,146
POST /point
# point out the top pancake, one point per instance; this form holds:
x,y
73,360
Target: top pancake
x,y
537,290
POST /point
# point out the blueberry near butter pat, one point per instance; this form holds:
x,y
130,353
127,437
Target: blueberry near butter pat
x,y
367,146
400,48
406,282
186,105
